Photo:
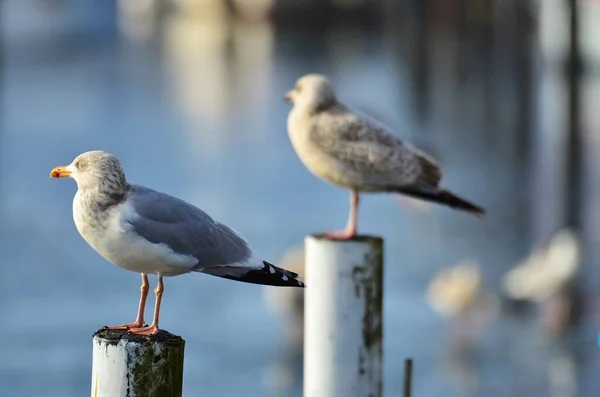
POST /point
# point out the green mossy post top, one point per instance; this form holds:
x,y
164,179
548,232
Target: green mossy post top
x,y
113,337
137,366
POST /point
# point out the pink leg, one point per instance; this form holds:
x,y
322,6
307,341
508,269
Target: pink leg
x,y
139,321
152,329
351,226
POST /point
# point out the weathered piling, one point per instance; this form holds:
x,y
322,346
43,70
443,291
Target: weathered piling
x,y
408,365
137,366
343,317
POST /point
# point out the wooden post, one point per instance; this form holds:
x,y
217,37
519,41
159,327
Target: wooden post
x,y
137,366
408,377
574,70
343,318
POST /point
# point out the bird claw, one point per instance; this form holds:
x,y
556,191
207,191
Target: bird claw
x,y
115,327
124,326
150,330
340,235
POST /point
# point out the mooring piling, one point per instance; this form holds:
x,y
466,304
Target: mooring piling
x,y
408,369
137,366
343,317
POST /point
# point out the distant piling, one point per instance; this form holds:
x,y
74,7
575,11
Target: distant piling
x,y
408,370
137,366
343,317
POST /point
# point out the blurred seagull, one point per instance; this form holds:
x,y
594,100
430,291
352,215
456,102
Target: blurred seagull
x,y
548,269
547,277
149,232
289,303
355,152
455,290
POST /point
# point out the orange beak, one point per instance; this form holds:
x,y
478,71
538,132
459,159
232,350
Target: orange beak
x,y
288,97
60,172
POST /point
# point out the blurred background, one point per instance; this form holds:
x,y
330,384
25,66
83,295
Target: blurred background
x,y
189,95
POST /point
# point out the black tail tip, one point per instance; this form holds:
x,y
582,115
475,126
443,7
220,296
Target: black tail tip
x,y
268,275
458,203
281,277
445,197
477,211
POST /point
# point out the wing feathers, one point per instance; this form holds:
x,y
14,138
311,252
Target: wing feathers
x,y
430,173
268,274
443,197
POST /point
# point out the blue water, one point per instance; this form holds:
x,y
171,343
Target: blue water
x,y
198,113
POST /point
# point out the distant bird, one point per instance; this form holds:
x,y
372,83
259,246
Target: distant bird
x,y
547,270
149,232
289,303
457,293
455,290
355,152
547,278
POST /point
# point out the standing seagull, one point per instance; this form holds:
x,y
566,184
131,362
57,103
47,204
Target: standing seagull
x,y
150,232
357,153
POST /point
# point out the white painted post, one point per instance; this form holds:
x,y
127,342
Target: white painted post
x,y
343,317
137,366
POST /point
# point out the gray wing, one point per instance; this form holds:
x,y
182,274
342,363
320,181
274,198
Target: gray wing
x,y
187,230
367,148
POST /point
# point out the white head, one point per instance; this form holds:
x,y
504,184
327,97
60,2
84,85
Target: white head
x,y
94,170
312,91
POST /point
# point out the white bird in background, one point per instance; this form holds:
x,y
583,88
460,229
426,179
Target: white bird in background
x,y
456,289
357,153
288,302
547,278
288,305
547,270
457,293
149,232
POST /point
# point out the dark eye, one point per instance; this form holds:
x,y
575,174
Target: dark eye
x,y
297,87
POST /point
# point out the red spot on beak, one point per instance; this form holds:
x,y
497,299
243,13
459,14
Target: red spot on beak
x,y
60,172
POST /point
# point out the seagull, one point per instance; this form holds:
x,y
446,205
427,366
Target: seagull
x,y
149,232
357,153
455,290
547,270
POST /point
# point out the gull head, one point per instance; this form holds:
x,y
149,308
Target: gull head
x,y
312,91
94,170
